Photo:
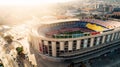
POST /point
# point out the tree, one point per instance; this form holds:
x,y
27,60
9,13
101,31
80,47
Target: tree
x,y
1,65
8,38
19,50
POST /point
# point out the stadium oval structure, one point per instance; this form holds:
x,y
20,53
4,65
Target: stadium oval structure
x,y
74,39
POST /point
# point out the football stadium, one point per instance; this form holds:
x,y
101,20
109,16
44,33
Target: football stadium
x,y
75,39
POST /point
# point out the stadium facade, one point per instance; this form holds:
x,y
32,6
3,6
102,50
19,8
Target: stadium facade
x,y
74,39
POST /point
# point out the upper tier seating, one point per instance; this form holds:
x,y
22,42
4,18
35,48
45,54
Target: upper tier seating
x,y
95,27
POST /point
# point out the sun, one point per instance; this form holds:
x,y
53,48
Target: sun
x,y
30,2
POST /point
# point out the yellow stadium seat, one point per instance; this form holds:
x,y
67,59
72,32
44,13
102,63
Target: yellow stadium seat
x,y
94,27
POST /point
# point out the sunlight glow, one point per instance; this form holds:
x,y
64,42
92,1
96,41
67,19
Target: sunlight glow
x,y
30,2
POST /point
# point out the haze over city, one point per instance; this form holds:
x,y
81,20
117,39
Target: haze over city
x,y
59,33
14,12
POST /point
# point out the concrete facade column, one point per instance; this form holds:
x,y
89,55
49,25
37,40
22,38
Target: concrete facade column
x,y
119,36
78,44
70,45
116,36
103,39
112,36
54,49
40,46
37,44
98,41
45,42
85,43
62,45
92,42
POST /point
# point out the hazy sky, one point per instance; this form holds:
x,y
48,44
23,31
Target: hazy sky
x,y
17,11
29,2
